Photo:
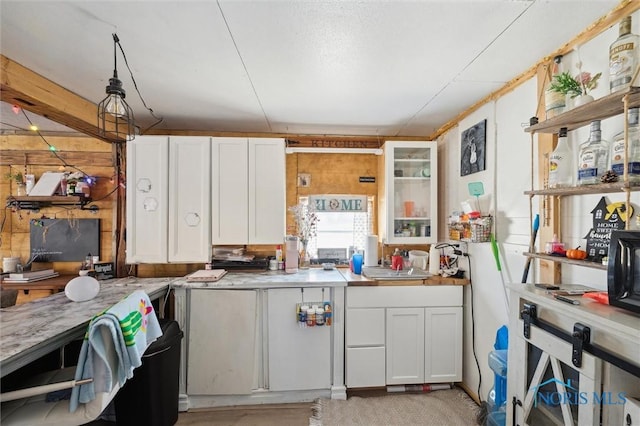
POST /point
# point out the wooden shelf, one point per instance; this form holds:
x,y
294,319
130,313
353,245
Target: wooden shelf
x,y
27,202
560,259
604,107
601,188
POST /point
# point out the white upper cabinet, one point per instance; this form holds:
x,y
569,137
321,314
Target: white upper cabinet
x,y
189,199
408,196
168,200
248,191
147,199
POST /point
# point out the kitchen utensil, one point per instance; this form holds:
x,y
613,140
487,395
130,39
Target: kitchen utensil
x,y
419,259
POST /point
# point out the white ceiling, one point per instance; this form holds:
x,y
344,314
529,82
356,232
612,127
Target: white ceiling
x,y
393,68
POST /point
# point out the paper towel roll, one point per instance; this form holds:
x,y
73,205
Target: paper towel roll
x,y
434,260
371,251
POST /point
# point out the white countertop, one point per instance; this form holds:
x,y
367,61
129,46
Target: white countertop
x,y
33,329
312,277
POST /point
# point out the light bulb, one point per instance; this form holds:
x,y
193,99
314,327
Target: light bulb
x,y
33,128
115,106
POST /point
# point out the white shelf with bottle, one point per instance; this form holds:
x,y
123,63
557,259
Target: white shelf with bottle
x,y
601,108
408,195
617,103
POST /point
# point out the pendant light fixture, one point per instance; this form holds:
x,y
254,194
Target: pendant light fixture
x,y
115,116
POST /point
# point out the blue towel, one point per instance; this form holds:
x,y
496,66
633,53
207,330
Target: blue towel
x,y
116,338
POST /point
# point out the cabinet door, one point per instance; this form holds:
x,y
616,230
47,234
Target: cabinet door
x,y
443,345
267,191
405,345
147,199
365,367
229,191
222,333
299,358
409,205
189,199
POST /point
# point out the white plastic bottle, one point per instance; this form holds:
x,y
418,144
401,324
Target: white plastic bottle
x,y
561,162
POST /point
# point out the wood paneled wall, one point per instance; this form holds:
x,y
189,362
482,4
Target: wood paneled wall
x,y
30,154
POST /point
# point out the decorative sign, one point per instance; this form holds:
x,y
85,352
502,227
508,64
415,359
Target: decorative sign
x,y
339,203
332,143
606,217
367,179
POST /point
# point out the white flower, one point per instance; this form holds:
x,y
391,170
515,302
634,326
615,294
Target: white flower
x,y
306,221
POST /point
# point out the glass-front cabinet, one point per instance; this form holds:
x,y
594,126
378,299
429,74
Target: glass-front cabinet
x,y
408,197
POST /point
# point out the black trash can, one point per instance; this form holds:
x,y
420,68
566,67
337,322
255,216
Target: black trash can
x,y
150,397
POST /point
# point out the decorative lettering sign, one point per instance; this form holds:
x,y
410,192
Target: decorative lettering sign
x,y
339,203
606,217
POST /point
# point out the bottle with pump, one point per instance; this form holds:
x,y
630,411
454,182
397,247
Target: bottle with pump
x,y
623,57
561,162
593,157
633,150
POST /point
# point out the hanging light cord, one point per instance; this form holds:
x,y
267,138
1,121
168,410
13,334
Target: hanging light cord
x,y
135,85
52,148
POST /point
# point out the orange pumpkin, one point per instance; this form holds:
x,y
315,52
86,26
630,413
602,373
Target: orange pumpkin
x,y
576,253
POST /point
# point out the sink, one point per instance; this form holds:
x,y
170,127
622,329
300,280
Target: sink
x,y
378,273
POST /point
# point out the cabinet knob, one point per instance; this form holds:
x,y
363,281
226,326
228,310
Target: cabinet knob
x,y
192,219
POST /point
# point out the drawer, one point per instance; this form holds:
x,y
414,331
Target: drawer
x,y
365,327
404,297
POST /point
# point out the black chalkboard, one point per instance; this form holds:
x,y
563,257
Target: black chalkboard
x,y
64,240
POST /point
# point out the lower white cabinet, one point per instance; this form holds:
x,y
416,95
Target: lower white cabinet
x,y
244,345
405,345
403,335
222,342
299,358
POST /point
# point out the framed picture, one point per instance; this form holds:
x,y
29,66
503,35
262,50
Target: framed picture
x,y
304,180
472,149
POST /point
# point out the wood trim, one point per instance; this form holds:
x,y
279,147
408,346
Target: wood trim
x,y
33,92
46,158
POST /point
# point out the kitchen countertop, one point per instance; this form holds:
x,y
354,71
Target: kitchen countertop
x,y
31,330
361,280
312,277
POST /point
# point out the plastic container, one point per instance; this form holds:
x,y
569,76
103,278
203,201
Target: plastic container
x,y
498,363
151,396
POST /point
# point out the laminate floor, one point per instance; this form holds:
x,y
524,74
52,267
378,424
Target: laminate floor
x,y
262,415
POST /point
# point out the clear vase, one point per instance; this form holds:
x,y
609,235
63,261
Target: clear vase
x,y
304,260
21,189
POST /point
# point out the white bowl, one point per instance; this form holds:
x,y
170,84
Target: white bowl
x,y
81,289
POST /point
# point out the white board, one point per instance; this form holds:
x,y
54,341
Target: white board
x,y
47,184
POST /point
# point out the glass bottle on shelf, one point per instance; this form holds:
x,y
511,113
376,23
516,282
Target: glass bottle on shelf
x,y
623,57
554,102
617,149
561,162
593,157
